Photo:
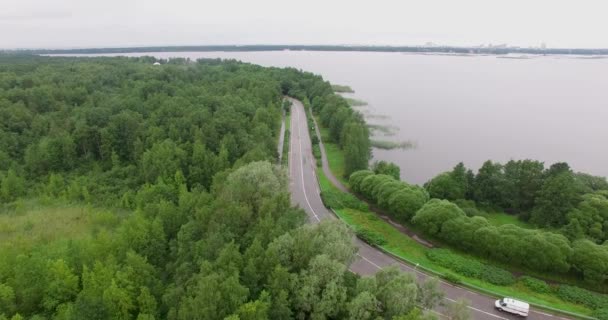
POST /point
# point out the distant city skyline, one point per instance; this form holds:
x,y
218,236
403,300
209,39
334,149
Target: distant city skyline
x,y
125,23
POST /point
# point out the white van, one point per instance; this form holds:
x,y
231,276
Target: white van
x,y
513,306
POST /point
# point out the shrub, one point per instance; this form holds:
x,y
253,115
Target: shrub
x,y
535,285
371,237
470,208
338,200
406,202
470,268
357,177
316,151
445,258
601,314
450,277
581,296
497,276
434,213
331,200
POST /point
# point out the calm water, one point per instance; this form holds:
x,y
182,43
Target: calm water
x,y
468,108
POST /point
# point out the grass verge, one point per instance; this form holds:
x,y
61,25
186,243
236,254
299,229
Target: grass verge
x,y
285,156
334,154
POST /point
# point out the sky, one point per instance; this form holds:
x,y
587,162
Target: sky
x,y
124,23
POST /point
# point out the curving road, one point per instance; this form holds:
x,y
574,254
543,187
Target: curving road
x,y
306,194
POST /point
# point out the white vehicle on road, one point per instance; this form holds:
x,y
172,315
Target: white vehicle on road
x,y
513,306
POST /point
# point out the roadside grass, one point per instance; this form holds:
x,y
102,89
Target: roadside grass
x,y
335,156
34,223
336,161
408,249
285,159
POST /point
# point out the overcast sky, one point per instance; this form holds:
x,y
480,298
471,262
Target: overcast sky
x,y
119,23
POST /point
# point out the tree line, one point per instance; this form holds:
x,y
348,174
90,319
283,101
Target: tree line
x,y
555,197
200,224
537,249
347,128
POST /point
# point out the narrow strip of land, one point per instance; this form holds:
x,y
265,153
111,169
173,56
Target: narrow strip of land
x,y
281,138
305,193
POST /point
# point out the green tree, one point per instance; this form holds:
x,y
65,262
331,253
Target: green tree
x,y
12,186
62,286
123,131
253,272
252,184
434,214
163,160
256,310
490,184
321,292
429,293
203,164
397,292
556,198
146,304
589,218
444,186
458,310
388,168
356,145
7,300
404,203
118,302
591,260
356,178
212,296
590,183
364,306
387,190
523,180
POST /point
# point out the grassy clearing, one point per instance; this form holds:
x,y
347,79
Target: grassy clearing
x,y
355,102
500,218
342,88
390,145
35,223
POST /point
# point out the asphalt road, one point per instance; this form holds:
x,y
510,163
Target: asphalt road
x,y
306,194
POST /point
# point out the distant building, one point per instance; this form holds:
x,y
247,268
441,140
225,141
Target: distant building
x,y
156,63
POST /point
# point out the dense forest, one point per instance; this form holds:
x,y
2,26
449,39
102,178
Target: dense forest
x,y
172,167
568,209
